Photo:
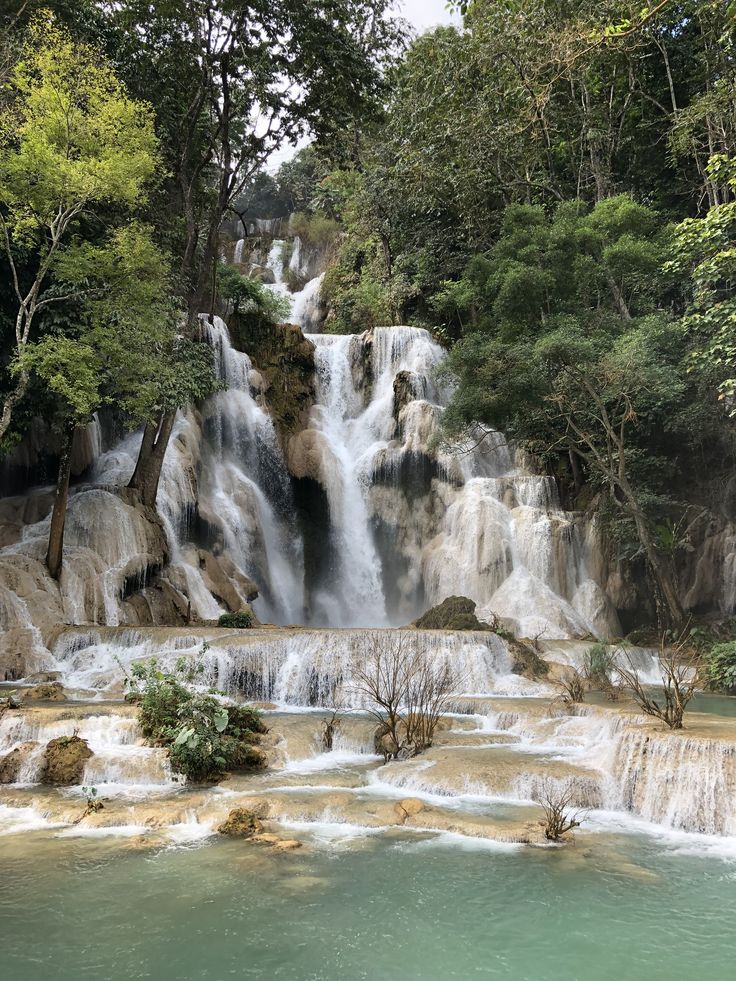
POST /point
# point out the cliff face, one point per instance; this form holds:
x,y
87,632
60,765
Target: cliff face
x,y
282,374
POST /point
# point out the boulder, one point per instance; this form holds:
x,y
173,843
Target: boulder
x,y
11,763
287,845
50,691
453,613
385,744
241,823
64,761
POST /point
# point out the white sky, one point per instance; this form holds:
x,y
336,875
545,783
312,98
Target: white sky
x,y
422,15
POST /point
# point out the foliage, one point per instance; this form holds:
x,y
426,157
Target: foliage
x,y
242,620
316,229
204,738
720,667
251,299
573,362
599,670
73,144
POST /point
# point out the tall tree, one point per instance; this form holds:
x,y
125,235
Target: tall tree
x,y
232,81
73,142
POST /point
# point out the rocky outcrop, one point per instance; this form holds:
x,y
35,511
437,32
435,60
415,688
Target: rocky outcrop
x,y
453,613
241,823
11,763
64,761
52,691
284,360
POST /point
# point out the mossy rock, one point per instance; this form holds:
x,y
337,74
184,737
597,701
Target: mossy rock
x,y
285,361
64,761
453,613
52,691
525,660
241,823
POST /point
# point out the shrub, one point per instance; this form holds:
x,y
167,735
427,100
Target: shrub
x,y
317,229
254,302
679,681
204,738
599,667
559,819
405,693
571,685
242,620
720,667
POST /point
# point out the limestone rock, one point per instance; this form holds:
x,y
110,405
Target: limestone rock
x,y
405,391
284,359
453,613
287,845
241,823
225,581
306,454
11,763
52,691
64,761
408,808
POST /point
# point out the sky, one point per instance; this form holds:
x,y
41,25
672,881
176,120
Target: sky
x,y
422,15
426,13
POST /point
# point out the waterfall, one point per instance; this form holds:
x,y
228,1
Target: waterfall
x,y
244,486
304,303
310,667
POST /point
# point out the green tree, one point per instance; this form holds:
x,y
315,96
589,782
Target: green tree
x,y
120,348
73,141
232,81
574,362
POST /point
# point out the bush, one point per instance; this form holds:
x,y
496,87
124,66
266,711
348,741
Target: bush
x,y
317,229
254,302
720,667
599,668
204,738
242,620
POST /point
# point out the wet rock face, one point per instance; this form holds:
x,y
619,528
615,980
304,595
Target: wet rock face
x,y
64,761
12,663
11,763
405,391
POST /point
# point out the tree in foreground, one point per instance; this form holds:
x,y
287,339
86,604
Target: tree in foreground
x,y
118,347
679,684
560,816
406,693
74,145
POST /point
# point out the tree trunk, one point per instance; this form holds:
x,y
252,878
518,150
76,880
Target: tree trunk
x,y
55,550
6,417
669,608
147,471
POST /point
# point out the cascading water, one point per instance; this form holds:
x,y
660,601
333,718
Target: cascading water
x,y
245,485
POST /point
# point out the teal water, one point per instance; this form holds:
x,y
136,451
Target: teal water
x,y
385,908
